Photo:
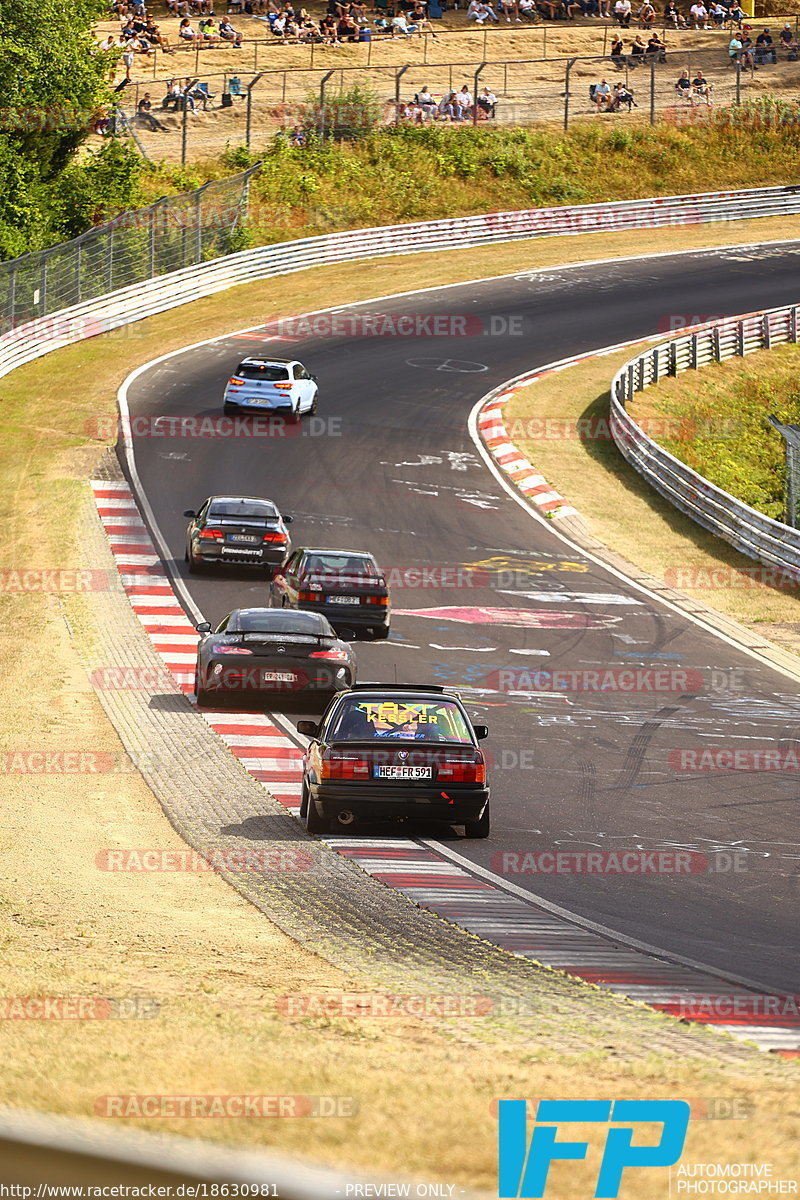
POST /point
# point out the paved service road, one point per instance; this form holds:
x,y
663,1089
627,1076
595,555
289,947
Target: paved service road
x,y
395,472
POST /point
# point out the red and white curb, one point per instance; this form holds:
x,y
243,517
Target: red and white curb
x,y
427,876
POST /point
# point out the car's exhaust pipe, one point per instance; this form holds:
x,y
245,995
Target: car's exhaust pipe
x,y
345,817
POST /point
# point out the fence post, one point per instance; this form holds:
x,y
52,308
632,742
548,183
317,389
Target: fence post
x,y
570,65
43,286
740,339
249,117
766,332
198,225
312,56
322,83
151,248
715,336
255,55
12,296
505,78
652,89
78,267
197,59
793,323
398,76
693,359
544,43
110,287
475,94
184,129
738,81
485,34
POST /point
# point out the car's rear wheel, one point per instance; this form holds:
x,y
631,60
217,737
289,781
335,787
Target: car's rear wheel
x,y
380,631
303,802
202,695
313,408
194,566
314,822
480,828
230,409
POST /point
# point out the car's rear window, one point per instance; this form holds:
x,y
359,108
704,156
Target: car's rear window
x,y
257,620
260,510
267,371
340,564
405,718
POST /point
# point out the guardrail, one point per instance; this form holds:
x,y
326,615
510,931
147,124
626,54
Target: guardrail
x,y
166,291
749,531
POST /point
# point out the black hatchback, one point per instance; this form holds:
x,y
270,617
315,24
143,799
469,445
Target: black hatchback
x,y
388,751
261,652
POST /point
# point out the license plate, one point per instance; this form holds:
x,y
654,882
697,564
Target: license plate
x,y
238,550
243,537
342,599
278,676
402,772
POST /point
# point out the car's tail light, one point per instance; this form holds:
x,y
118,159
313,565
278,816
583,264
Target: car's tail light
x,y
212,534
282,386
308,596
234,382
231,650
344,766
337,655
276,537
462,770
382,601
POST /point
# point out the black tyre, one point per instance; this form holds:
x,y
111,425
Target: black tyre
x,y
380,631
194,566
303,802
230,409
203,696
314,822
480,828
313,409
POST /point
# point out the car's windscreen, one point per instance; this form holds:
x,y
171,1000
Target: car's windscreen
x,y
270,372
405,719
274,621
240,510
339,564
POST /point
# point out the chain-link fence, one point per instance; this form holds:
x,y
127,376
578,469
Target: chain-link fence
x,y
241,110
175,232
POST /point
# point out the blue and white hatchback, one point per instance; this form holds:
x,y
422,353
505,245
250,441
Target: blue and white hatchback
x,y
275,385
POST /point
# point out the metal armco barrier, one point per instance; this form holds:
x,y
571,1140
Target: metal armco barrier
x,y
747,530
171,289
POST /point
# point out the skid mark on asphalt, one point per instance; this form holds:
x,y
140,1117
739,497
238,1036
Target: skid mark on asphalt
x,y
431,874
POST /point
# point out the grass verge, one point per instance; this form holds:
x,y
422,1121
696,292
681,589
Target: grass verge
x,y
189,941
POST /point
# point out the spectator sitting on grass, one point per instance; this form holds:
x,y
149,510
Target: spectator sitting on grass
x,y
647,15
347,30
766,51
638,52
701,87
601,96
401,25
622,13
487,102
156,38
787,39
145,117
426,101
358,12
735,49
684,85
656,48
748,59
464,102
229,34
447,106
717,13
419,17
673,16
509,9
698,15
617,51
327,28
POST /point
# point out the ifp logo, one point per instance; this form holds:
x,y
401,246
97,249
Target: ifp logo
x,y
523,1167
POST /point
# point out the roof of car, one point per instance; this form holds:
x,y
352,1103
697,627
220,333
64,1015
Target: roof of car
x,y
417,688
241,500
272,362
343,553
285,616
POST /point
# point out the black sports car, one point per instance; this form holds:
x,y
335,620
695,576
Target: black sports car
x,y
347,585
395,750
264,652
238,530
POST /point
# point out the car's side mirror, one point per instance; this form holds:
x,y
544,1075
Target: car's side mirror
x,y
190,513
287,520
309,728
481,732
203,627
313,377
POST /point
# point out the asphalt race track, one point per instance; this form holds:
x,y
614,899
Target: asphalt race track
x,y
394,471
